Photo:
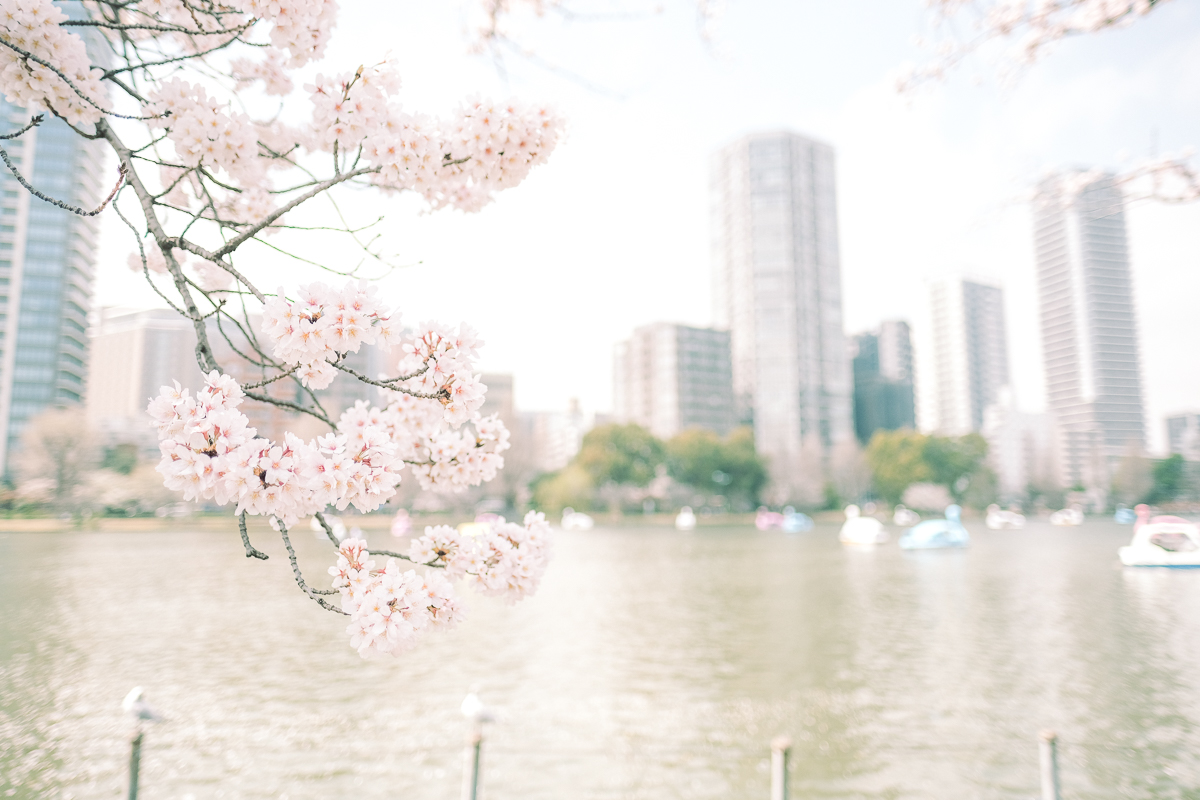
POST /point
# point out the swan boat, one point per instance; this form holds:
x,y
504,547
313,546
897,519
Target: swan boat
x,y
1162,542
858,529
937,533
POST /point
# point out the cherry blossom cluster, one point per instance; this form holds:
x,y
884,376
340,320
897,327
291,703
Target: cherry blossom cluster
x,y
505,560
442,362
209,452
444,455
390,608
205,132
324,324
302,27
34,27
461,162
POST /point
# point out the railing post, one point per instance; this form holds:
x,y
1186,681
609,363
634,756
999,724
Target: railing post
x,y
781,747
1048,755
135,759
470,789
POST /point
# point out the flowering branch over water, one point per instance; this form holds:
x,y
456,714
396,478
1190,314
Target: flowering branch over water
x,y
215,147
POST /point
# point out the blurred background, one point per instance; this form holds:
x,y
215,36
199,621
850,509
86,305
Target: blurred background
x,y
757,273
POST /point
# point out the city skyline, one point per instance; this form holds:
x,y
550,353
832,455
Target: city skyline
x,y
928,184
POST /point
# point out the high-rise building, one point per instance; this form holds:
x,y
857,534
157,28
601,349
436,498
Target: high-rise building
x,y
47,264
555,436
1183,435
1021,449
970,353
133,355
883,380
1089,332
668,378
777,288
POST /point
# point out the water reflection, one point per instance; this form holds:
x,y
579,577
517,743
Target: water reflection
x,y
651,665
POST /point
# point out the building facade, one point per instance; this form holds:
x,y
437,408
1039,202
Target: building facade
x,y
1021,450
883,380
133,355
1183,436
777,289
668,378
970,353
1088,326
47,267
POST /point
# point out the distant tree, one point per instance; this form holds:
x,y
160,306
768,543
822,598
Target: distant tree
x,y
570,486
712,465
897,460
57,450
1168,479
620,454
953,461
121,458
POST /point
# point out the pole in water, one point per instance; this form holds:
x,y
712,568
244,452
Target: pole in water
x,y
781,747
135,759
471,753
476,714
1048,753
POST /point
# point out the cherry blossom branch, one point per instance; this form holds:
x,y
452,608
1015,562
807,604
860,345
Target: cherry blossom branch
x,y
62,76
300,578
59,203
250,551
323,186
36,120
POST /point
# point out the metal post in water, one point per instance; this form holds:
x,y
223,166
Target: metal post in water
x,y
135,759
781,747
1048,753
471,755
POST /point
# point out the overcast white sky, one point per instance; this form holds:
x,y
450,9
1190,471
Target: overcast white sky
x,y
613,232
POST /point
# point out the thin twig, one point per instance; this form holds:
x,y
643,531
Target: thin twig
x,y
123,170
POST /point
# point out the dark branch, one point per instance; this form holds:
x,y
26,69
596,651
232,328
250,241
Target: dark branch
x,y
250,551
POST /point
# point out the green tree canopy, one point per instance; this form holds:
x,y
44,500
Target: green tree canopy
x,y
729,466
950,459
622,454
1168,476
903,457
897,460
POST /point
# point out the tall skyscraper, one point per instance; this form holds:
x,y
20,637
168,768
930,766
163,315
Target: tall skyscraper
x,y
1089,332
47,264
883,380
970,353
777,288
668,378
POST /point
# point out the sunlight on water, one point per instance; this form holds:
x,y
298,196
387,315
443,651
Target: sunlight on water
x,y
652,664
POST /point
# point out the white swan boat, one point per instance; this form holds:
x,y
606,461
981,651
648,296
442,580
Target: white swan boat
x,y
905,517
1067,517
858,529
573,520
998,519
686,520
1162,542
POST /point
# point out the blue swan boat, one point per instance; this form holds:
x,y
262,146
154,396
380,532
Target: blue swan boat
x,y
937,533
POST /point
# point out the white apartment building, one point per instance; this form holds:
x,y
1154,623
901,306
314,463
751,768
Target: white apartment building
x,y
133,355
668,378
970,354
1089,331
777,289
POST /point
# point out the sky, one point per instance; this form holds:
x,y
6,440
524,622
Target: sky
x,y
613,232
